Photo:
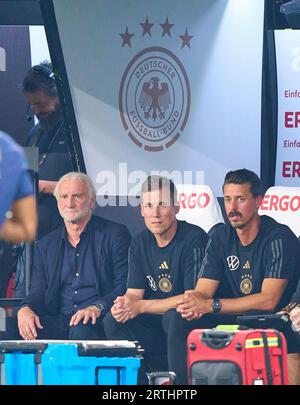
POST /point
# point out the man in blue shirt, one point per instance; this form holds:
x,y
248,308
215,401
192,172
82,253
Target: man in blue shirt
x,y
17,204
79,269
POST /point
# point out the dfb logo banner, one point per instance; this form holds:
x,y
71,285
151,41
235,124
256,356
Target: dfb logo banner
x,y
164,86
154,99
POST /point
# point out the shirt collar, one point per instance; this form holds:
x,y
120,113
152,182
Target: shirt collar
x,y
87,230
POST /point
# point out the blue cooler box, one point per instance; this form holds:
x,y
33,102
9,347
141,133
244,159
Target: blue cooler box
x,y
69,362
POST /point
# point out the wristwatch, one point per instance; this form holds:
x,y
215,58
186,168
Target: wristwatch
x,y
98,306
216,305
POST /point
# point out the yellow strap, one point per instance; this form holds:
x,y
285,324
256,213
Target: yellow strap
x,y
258,342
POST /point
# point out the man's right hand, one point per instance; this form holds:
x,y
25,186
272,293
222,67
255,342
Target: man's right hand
x,y
28,321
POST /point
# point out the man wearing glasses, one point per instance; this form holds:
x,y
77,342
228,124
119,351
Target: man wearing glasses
x,y
163,262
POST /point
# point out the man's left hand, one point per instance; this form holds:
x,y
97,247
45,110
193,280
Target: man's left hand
x,y
85,314
193,306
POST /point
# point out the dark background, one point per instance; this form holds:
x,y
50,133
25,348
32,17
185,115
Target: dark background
x,y
15,41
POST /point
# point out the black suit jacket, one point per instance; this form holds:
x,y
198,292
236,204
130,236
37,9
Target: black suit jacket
x,y
110,256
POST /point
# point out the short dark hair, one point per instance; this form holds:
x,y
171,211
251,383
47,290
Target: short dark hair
x,y
244,176
156,182
37,79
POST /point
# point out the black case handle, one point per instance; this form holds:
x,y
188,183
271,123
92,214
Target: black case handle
x,y
216,339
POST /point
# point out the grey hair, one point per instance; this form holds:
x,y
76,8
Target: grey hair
x,y
82,177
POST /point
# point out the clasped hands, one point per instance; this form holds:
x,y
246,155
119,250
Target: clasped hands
x,y
126,307
192,306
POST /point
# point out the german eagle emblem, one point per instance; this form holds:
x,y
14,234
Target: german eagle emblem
x,y
155,99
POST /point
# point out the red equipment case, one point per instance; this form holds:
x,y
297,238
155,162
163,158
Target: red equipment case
x,y
244,357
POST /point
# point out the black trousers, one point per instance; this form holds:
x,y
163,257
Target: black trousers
x,y
179,329
57,327
150,331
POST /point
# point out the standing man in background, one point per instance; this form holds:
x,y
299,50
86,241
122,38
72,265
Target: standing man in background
x,y
49,135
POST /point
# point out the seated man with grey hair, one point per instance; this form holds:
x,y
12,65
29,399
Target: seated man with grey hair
x,y
164,261
79,269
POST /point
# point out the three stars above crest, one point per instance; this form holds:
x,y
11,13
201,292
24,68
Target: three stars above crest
x,y
166,30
